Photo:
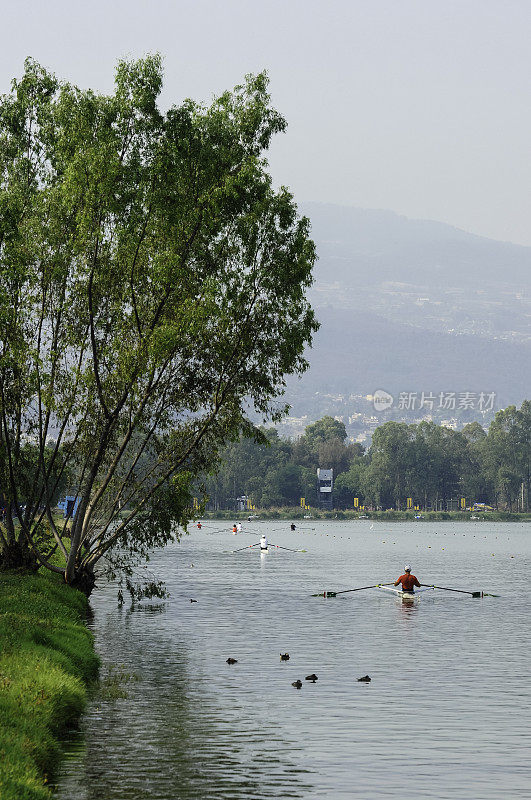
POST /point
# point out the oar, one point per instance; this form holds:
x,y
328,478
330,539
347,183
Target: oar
x,y
209,530
286,548
344,591
247,546
461,591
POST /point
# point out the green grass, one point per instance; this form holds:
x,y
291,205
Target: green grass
x,y
46,661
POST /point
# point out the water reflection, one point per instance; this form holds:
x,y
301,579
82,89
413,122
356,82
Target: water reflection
x,y
408,606
170,738
146,608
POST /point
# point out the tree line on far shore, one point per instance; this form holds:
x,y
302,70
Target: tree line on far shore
x,y
431,464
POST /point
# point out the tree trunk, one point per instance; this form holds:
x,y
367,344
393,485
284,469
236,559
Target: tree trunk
x,y
17,555
84,580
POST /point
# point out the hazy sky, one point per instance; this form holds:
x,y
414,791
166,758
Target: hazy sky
x,y
418,106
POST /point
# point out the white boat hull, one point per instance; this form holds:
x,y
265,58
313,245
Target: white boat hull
x,y
405,595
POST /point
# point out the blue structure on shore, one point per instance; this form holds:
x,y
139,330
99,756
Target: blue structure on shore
x,y
69,505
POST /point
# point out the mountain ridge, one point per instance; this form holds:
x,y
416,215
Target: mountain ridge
x,y
414,305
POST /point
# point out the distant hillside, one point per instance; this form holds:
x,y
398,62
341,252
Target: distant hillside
x,y
369,247
356,353
413,305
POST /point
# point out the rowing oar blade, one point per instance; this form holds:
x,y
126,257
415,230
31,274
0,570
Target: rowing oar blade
x,y
461,591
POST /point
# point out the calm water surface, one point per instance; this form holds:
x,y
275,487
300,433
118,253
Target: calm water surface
x,y
446,715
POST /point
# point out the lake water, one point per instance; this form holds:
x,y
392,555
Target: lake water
x,y
446,714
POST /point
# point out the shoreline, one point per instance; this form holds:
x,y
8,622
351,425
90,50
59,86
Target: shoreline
x,y
387,516
47,661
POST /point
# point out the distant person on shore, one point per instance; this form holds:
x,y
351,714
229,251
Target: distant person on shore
x,y
199,525
234,528
292,526
263,542
407,580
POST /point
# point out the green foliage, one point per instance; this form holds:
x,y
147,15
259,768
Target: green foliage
x,y
112,685
424,461
46,659
146,589
431,464
351,484
282,486
324,430
507,454
152,288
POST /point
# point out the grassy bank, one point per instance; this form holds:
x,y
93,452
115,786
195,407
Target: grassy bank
x,y
389,516
46,660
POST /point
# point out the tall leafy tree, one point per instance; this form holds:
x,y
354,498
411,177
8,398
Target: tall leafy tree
x,y
508,453
152,287
333,454
475,482
243,466
351,484
426,462
390,456
323,430
441,459
282,486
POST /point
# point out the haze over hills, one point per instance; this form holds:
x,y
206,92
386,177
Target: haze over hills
x,y
359,246
413,306
364,351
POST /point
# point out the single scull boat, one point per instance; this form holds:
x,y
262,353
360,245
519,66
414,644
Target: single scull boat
x,y
402,594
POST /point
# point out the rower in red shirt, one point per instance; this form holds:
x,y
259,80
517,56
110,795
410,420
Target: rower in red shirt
x,y
407,580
